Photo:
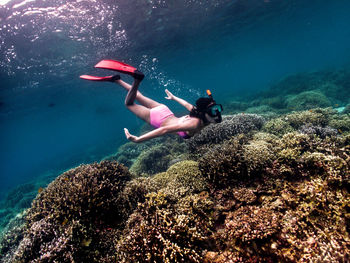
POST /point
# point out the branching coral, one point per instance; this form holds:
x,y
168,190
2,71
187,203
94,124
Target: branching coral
x,y
341,123
318,130
244,195
231,125
157,158
157,232
315,228
70,215
236,160
224,164
317,117
249,223
277,126
257,155
180,179
152,161
251,198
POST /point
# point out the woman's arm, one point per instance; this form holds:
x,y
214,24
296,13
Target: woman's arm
x,y
188,126
184,103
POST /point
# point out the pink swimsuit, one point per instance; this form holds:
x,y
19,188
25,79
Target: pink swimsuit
x,y
159,114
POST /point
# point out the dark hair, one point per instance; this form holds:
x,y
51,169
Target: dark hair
x,y
203,103
200,109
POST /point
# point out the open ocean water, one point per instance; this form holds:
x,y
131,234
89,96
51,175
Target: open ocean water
x,y
51,121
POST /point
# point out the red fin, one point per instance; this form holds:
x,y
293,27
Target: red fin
x,y
94,78
116,65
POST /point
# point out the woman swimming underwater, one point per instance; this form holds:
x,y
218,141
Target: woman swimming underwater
x,y
159,115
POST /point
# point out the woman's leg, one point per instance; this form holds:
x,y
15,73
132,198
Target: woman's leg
x,y
133,94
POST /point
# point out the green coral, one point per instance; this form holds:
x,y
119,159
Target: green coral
x,y
181,179
224,164
257,155
317,117
235,160
151,161
158,158
308,100
277,126
341,123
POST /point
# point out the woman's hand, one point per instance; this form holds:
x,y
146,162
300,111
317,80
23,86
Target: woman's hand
x,y
170,95
130,137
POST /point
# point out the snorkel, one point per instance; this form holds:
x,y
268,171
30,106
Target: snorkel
x,y
207,110
214,110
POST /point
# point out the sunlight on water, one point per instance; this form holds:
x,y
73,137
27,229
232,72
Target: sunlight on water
x,y
4,2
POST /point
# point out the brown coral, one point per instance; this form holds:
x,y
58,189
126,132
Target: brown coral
x,y
72,214
158,233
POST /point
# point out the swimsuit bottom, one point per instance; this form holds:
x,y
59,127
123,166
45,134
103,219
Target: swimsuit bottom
x,y
159,114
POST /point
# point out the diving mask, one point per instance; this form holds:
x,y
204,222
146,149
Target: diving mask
x,y
214,110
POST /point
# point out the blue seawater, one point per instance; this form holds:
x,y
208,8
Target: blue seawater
x,y
51,120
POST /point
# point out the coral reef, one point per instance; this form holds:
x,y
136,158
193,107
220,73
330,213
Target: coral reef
x,y
250,223
151,161
236,160
180,179
317,117
140,157
346,109
254,191
159,231
308,100
20,198
318,130
341,123
158,157
230,126
278,126
233,106
11,236
76,211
